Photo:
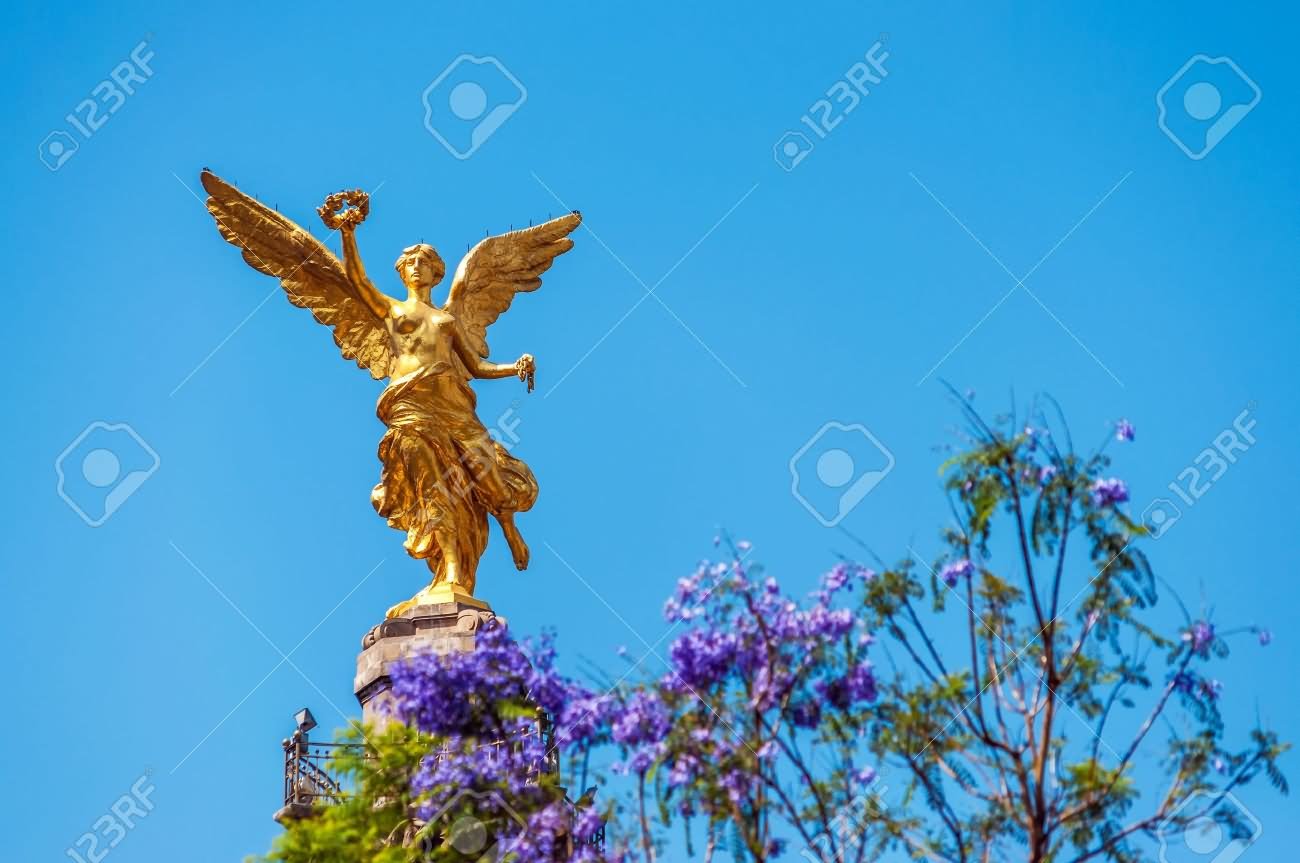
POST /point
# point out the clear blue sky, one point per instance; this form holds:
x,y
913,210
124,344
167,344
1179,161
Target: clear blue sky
x,y
826,293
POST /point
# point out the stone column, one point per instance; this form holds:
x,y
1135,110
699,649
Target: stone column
x,y
435,627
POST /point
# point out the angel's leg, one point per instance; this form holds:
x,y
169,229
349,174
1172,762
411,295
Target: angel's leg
x,y
449,567
518,548
497,490
496,493
447,573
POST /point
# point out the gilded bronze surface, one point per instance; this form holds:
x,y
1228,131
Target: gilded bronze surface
x,y
442,473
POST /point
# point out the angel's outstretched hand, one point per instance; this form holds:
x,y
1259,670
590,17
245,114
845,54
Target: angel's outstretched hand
x,y
526,369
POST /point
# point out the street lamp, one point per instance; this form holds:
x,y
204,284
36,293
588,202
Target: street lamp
x,y
304,720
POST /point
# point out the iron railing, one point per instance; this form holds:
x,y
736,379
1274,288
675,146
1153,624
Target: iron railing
x,y
308,781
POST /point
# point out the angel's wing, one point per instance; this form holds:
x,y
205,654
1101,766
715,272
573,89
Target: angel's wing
x,y
308,271
499,267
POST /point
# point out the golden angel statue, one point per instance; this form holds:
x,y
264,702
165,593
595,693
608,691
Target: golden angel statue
x,y
442,474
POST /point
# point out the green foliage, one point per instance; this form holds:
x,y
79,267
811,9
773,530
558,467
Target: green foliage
x,y
369,824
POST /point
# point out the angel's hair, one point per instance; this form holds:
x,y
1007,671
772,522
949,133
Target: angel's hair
x,y
429,253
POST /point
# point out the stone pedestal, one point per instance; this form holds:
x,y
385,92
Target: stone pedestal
x,y
434,627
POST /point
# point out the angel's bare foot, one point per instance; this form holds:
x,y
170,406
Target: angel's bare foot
x,y
403,607
450,574
518,548
424,597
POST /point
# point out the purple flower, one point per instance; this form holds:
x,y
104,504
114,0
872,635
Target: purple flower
x,y
806,714
865,776
1265,637
1124,431
701,657
1190,684
736,783
857,686
955,571
639,763
642,720
429,690
1201,636
836,578
1108,492
862,682
1031,442
494,692
683,771
1045,474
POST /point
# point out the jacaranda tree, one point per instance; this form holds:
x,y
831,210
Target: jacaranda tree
x,y
1003,725
1002,701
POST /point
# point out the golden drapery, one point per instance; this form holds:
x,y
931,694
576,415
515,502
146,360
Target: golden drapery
x,y
442,472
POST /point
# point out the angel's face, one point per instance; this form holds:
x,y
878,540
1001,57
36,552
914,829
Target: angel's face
x,y
418,274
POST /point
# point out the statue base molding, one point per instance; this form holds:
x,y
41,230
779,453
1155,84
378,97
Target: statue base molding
x,y
429,627
437,594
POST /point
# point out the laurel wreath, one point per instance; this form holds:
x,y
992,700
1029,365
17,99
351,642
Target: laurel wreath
x,y
333,214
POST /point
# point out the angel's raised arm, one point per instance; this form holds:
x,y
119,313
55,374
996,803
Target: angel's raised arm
x,y
375,300
311,276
